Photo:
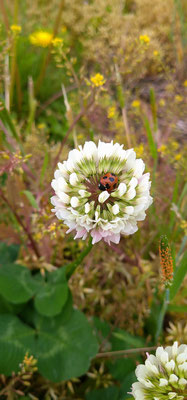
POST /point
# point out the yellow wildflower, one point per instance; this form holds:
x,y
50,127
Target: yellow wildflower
x,y
41,126
175,145
178,98
111,112
185,83
135,104
144,39
155,53
15,29
178,157
162,149
97,80
41,38
162,103
57,42
139,150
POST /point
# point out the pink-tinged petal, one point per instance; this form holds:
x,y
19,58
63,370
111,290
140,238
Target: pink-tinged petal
x,y
80,233
96,235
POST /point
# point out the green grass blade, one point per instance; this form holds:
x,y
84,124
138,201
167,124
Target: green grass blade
x,y
31,198
179,275
152,145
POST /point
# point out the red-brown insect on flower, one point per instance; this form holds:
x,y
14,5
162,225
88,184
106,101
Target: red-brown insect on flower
x,y
108,182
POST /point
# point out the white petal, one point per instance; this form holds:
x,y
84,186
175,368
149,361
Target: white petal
x,y
170,365
87,208
182,382
131,193
129,210
74,201
62,184
90,150
175,349
173,378
73,179
141,371
121,189
181,358
83,193
172,395
182,367
138,168
103,196
163,382
133,182
64,197
115,209
54,184
131,157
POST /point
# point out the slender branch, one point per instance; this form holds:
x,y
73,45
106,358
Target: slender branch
x,y
77,118
121,353
70,268
33,244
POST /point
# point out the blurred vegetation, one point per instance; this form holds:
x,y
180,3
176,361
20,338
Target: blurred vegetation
x,y
49,104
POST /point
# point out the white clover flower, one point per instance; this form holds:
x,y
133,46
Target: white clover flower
x,y
163,376
105,212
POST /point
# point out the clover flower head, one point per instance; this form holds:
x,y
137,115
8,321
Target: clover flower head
x,y
41,38
102,210
97,80
163,376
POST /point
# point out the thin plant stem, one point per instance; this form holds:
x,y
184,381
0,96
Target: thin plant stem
x,y
77,118
70,269
14,51
4,14
162,314
48,55
122,353
25,229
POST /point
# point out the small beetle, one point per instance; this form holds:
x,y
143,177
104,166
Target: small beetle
x,y
108,182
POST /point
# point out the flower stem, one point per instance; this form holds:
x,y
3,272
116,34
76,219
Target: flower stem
x,y
48,55
72,266
14,51
162,314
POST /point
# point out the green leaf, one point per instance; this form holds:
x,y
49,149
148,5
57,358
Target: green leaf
x,y
179,276
15,340
177,308
102,329
121,367
110,393
8,254
126,386
64,348
31,198
126,340
16,283
50,300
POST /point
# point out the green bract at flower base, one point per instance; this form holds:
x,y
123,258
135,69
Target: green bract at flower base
x,y
164,376
106,214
